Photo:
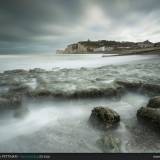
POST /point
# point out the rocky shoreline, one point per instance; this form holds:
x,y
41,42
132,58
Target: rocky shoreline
x,y
106,118
16,91
16,85
38,83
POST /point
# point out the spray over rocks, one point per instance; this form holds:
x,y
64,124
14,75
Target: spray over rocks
x,y
111,83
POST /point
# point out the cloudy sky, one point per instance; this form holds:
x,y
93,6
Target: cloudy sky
x,y
41,26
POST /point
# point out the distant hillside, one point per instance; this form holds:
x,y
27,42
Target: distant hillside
x,y
105,46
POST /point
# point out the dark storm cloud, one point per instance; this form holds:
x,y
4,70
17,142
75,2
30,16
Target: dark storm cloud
x,y
122,10
50,24
23,20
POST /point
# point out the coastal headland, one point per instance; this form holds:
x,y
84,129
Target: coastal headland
x,y
111,47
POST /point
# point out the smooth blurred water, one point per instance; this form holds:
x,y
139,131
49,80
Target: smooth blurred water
x,y
62,126
48,61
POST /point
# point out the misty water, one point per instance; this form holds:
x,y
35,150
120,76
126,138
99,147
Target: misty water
x,y
50,61
61,125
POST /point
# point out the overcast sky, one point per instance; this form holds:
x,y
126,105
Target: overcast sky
x,y
40,26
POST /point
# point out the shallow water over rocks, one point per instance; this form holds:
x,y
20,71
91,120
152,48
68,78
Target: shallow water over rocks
x,y
62,126
56,106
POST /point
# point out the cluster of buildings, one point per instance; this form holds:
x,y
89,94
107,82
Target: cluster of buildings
x,y
103,46
145,44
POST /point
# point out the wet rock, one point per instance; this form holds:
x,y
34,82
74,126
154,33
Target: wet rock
x,y
130,85
153,88
151,115
10,102
95,93
37,70
109,144
154,102
88,93
22,89
85,93
150,89
103,118
16,71
40,93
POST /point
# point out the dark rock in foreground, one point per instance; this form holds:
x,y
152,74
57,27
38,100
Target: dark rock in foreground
x,y
103,118
109,144
151,115
10,102
154,102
